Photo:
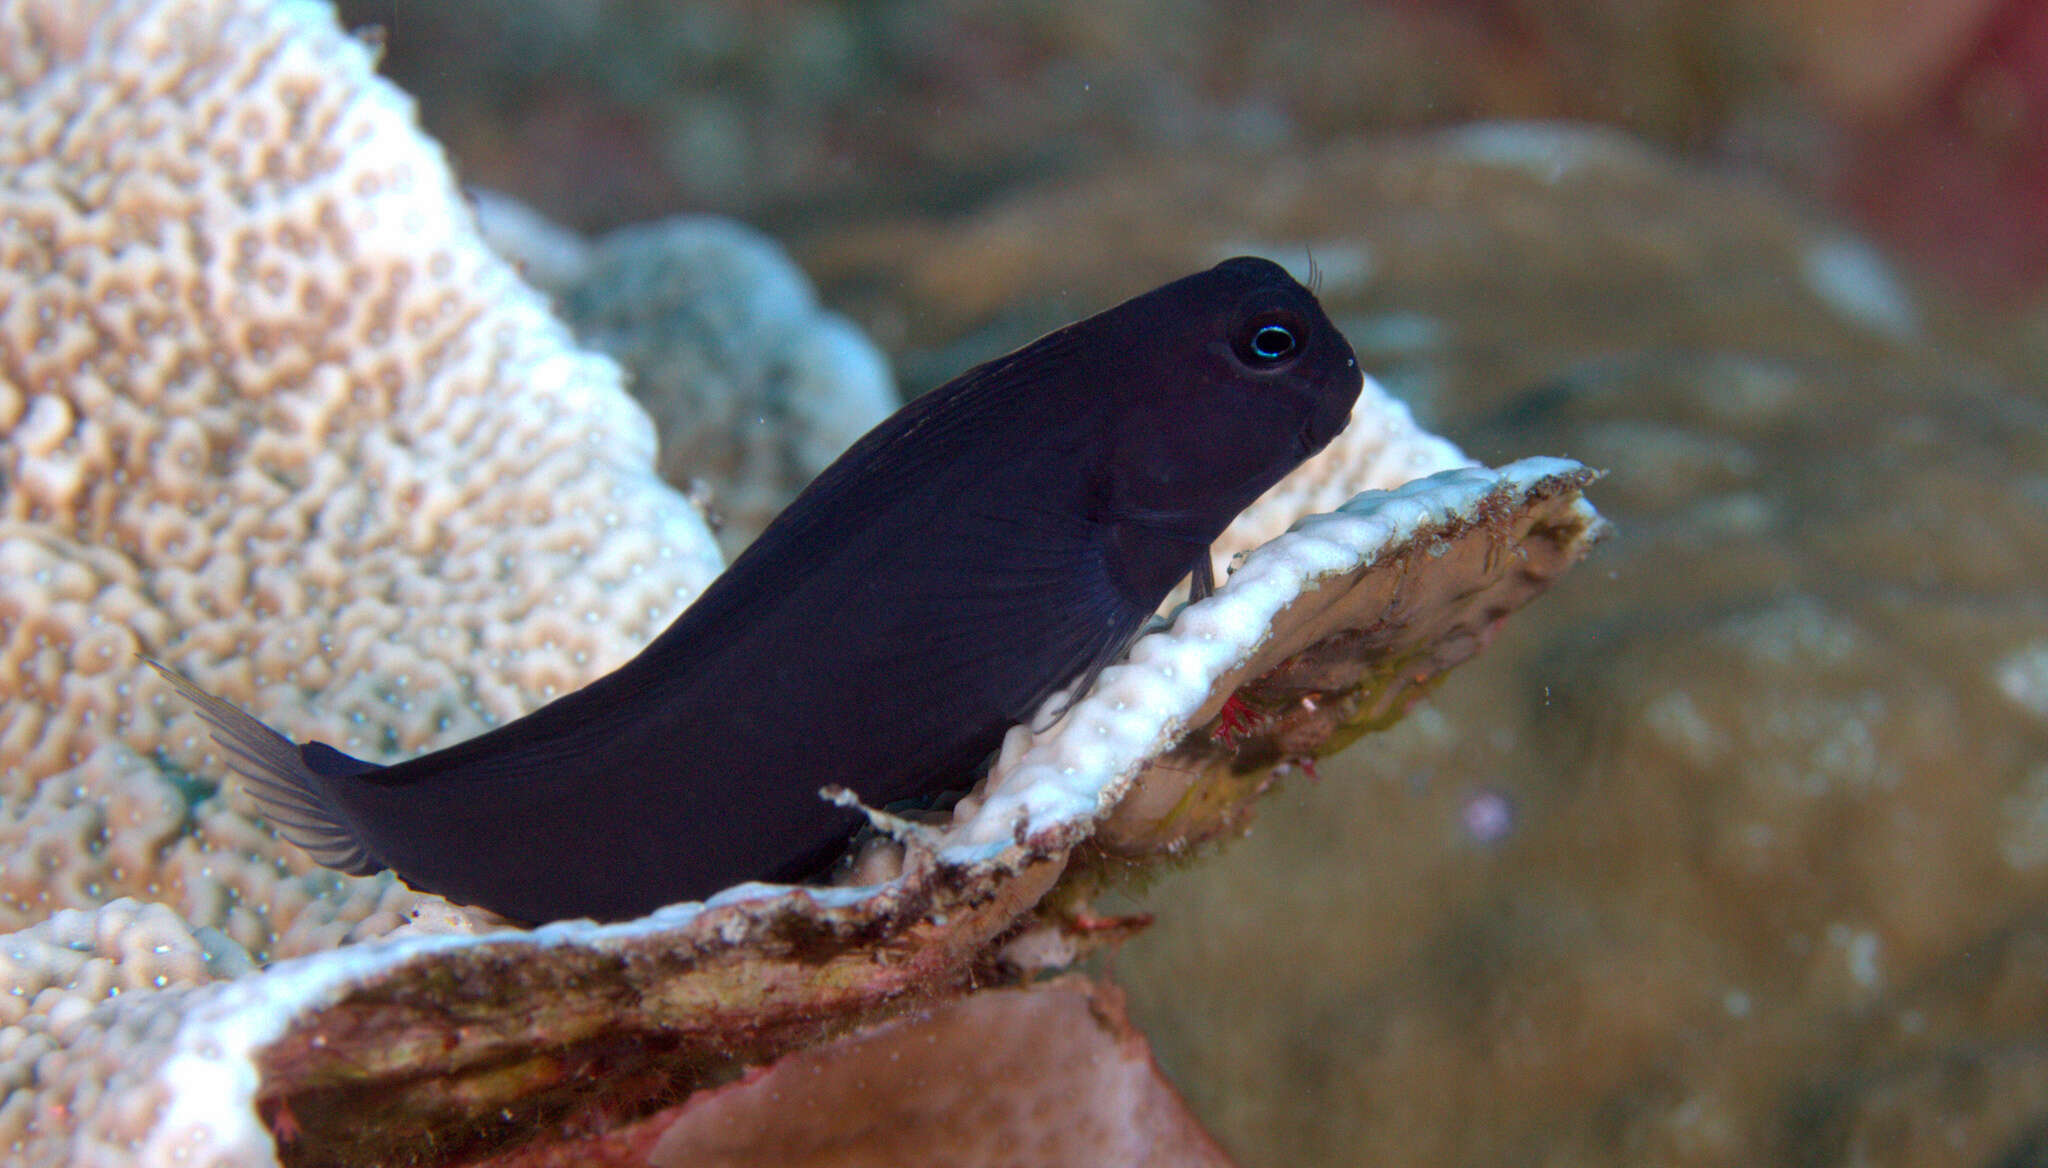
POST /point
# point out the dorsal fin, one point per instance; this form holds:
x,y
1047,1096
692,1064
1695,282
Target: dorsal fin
x,y
284,779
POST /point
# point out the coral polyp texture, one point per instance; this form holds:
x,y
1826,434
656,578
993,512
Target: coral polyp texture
x,y
270,412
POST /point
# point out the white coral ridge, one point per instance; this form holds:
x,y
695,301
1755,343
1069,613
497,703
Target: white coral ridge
x,y
1079,767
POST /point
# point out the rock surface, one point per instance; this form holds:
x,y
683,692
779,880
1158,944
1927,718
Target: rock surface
x,y
965,1083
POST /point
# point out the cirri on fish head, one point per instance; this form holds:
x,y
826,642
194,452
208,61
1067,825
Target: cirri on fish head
x,y
997,540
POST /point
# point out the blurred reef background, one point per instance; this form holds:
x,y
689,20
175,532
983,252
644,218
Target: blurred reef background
x,y
1734,849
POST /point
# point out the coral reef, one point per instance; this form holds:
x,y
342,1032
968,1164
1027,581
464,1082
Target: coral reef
x,y
1922,120
257,425
478,1044
254,380
1807,672
275,415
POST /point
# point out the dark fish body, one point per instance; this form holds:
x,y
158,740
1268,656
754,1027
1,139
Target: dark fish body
x,y
995,540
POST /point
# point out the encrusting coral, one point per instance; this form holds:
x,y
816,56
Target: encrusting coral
x,y
275,415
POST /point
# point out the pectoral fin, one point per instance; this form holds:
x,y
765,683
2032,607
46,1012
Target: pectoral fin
x,y
1202,580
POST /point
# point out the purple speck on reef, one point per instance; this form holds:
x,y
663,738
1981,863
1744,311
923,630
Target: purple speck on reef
x,y
1488,816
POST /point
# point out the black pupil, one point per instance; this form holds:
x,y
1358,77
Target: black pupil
x,y
1272,342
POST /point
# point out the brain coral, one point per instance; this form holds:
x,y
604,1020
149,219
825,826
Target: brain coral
x,y
268,410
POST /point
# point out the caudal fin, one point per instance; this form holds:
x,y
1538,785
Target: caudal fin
x,y
290,792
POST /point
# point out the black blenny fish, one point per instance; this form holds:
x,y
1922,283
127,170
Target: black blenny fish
x,y
999,538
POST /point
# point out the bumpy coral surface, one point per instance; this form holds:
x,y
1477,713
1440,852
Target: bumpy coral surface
x,y
269,411
272,415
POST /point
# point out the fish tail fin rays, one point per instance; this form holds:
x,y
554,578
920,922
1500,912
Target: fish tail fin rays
x,y
287,781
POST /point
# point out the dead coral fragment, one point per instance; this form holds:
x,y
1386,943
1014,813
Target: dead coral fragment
x,y
1330,630
1354,648
420,1034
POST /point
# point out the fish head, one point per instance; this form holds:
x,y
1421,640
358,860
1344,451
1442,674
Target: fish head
x,y
1234,377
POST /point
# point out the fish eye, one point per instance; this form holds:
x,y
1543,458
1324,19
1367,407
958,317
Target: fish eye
x,y
1272,342
1269,340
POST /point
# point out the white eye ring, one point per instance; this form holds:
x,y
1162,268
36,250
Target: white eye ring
x,y
1272,342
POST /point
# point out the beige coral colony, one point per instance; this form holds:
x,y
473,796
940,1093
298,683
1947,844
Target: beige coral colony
x,y
272,413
